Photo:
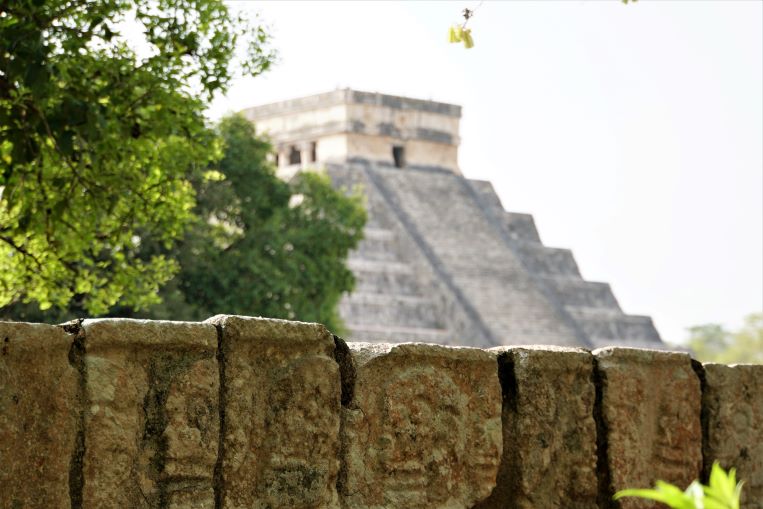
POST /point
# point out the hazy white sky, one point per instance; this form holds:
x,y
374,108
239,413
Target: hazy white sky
x,y
633,133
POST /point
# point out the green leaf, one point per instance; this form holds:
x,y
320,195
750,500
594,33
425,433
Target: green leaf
x,y
722,493
66,143
77,189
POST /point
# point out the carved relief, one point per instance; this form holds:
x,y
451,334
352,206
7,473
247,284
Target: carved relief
x,y
192,433
282,414
651,409
151,421
299,447
423,429
421,425
733,404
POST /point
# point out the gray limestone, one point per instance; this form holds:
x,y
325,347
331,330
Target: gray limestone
x,y
443,262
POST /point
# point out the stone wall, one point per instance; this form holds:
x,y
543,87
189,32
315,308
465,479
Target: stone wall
x,y
240,412
347,124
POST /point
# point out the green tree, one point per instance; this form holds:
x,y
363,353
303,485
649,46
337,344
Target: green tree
x,y
256,245
713,343
97,135
262,246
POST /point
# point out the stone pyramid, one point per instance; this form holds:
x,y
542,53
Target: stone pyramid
x,y
442,261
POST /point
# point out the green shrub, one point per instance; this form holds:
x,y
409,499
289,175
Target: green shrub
x,y
723,492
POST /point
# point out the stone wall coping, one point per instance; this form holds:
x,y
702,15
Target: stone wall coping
x,y
33,336
136,333
540,349
349,96
640,355
362,352
264,329
740,365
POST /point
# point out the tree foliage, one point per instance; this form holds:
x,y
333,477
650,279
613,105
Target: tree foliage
x,y
256,245
97,135
260,245
713,343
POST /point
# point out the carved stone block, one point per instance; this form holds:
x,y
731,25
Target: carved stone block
x,y
549,432
38,415
282,401
422,428
152,417
651,412
732,404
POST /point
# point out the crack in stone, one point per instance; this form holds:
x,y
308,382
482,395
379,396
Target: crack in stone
x,y
699,370
347,375
218,480
77,361
511,466
603,474
509,471
346,370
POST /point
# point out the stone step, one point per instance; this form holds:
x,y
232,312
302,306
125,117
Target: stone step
x,y
375,221
471,255
384,334
387,298
360,265
574,291
521,226
397,283
378,244
596,313
394,310
518,226
547,261
612,327
378,234
349,177
367,251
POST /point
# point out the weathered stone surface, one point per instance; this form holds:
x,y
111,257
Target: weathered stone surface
x,y
282,402
152,418
423,427
651,412
549,432
38,416
732,404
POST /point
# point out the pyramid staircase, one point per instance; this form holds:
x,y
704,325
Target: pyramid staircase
x,y
443,262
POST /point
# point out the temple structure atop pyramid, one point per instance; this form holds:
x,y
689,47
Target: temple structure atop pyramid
x,y
442,260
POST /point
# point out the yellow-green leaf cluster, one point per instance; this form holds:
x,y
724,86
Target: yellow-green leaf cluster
x,y
722,492
458,33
